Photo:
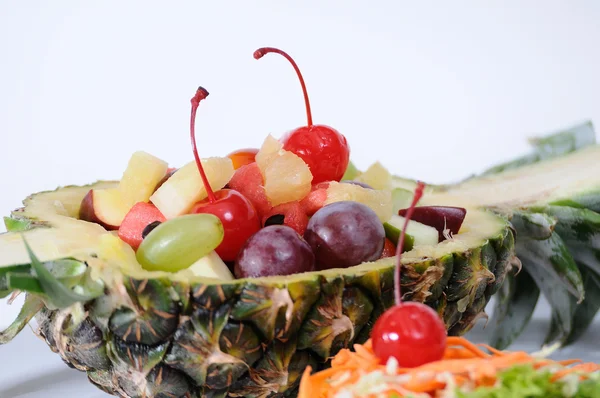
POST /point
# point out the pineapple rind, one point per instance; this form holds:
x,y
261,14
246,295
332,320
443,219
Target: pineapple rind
x,y
144,337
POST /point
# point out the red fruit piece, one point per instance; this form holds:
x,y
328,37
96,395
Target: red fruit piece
x,y
438,217
138,218
389,249
238,217
293,216
248,181
315,199
323,149
412,333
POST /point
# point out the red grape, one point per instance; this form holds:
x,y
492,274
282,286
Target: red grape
x,y
274,250
344,234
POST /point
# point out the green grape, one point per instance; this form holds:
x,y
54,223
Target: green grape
x,y
180,242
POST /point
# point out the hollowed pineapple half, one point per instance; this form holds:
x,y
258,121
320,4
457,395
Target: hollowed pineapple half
x,y
153,334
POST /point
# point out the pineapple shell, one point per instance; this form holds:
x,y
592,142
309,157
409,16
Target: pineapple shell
x,y
154,334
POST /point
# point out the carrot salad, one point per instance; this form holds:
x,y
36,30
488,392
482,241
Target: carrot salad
x,y
466,367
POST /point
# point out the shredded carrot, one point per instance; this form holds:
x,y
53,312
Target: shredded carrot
x,y
464,364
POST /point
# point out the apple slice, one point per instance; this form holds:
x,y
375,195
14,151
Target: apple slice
x,y
108,207
180,192
105,207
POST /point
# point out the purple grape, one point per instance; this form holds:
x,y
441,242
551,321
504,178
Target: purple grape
x,y
344,234
361,184
274,250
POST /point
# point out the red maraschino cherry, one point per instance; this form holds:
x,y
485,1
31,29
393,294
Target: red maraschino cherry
x,y
240,219
411,332
324,149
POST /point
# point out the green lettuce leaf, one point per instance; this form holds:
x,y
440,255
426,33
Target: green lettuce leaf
x,y
526,382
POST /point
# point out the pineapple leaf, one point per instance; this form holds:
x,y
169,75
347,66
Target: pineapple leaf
x,y
16,225
551,146
561,300
538,226
56,294
587,310
31,307
515,303
580,230
552,257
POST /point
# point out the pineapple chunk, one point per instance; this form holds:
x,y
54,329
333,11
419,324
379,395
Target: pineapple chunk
x,y
211,266
287,177
379,201
268,152
185,188
376,176
139,180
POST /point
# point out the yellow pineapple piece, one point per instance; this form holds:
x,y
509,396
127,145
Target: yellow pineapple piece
x,y
143,173
377,177
184,188
380,201
287,177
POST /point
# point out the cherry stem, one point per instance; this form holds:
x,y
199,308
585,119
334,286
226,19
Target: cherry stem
x,y
397,284
201,94
258,54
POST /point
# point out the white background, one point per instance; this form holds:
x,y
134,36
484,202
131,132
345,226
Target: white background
x,y
434,90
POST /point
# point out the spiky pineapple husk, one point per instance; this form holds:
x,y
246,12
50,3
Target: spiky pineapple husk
x,y
152,334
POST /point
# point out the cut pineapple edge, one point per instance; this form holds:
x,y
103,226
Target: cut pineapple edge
x,y
57,233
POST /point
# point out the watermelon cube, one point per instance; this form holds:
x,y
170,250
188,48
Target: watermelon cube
x,y
248,181
293,216
134,223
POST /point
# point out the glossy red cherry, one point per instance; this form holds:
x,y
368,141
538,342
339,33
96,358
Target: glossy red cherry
x,y
412,333
240,219
242,157
323,148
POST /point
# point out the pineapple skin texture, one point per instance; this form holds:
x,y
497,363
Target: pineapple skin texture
x,y
253,338
159,338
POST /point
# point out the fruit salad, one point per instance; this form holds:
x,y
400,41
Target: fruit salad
x,y
293,205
